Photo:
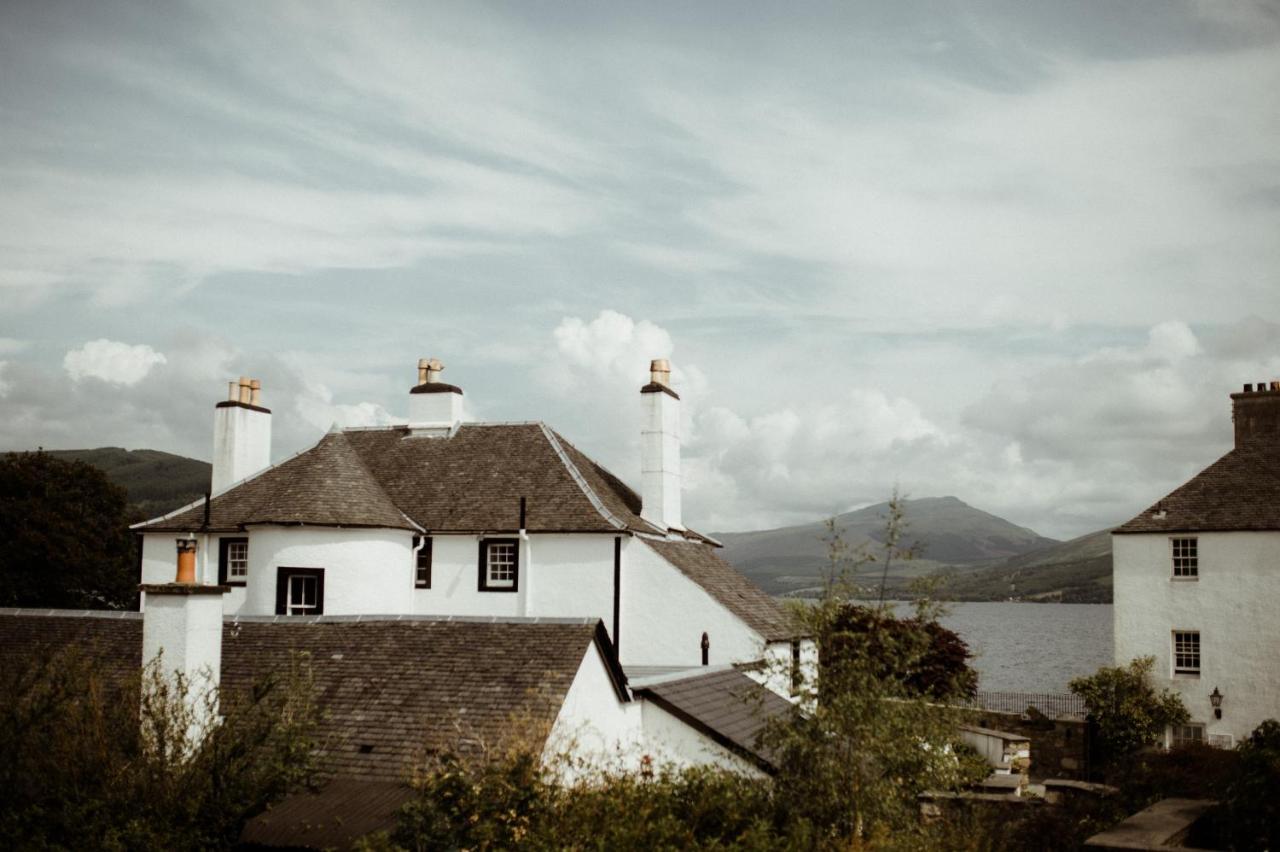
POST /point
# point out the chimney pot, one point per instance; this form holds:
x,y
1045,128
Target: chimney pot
x,y
233,391
660,371
245,391
186,561
255,396
1275,386
434,369
422,370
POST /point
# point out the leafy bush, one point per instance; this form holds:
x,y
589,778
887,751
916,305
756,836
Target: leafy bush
x,y
1126,709
88,765
66,536
1253,795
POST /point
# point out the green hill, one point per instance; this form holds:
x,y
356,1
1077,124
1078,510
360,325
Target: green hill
x,y
156,482
950,533
1076,571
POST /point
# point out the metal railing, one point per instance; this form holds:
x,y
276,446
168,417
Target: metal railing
x,y
1055,705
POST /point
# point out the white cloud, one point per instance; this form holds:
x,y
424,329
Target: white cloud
x,y
315,405
112,361
4,385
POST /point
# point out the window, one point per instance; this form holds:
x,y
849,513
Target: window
x,y
233,561
1187,735
1186,557
795,666
300,591
1186,652
499,564
422,566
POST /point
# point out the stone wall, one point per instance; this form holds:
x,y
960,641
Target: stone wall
x,y
1059,747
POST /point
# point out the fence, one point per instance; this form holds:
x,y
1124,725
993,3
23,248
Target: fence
x,y
1053,705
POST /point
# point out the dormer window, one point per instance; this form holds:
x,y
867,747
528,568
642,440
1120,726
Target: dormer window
x,y
233,561
499,564
1186,558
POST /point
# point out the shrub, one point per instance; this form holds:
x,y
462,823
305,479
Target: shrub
x,y
1252,802
1126,709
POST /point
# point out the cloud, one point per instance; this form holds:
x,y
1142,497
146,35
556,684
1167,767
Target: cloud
x,y
112,361
4,385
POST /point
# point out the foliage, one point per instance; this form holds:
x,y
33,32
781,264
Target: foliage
x,y
79,771
1252,802
67,544
1126,709
1189,772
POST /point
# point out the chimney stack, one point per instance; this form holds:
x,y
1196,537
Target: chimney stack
x,y
435,407
241,434
660,448
182,638
1256,413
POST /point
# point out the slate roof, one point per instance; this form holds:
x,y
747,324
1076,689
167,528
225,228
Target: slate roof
x,y
699,562
333,817
469,482
728,706
1240,491
392,691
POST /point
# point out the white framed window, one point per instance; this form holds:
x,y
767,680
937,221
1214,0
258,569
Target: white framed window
x,y
1182,736
300,591
233,561
1186,558
499,564
1186,652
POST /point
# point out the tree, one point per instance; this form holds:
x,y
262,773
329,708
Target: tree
x,y
928,660
67,542
1126,709
1252,806
90,760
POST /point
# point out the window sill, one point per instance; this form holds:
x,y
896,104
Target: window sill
x,y
499,589
1189,675
235,584
419,586
1184,579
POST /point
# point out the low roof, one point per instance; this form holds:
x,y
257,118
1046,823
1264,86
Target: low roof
x,y
700,563
727,706
1240,491
333,817
471,481
392,690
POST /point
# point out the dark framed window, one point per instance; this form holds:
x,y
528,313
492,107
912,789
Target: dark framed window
x,y
1186,652
1186,557
499,564
795,666
1183,736
299,591
422,563
233,561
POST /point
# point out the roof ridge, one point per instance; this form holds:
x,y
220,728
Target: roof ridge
x,y
576,475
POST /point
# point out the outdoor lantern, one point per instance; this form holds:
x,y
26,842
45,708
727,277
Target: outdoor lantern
x,y
1215,698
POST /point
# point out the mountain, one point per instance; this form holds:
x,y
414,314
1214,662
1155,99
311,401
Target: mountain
x,y
949,532
156,482
1076,571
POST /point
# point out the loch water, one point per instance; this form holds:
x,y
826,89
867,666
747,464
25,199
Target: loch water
x,y
1033,647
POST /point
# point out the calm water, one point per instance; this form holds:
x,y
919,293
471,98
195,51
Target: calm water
x,y
1032,647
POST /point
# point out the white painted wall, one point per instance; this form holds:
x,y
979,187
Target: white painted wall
x,y
595,730
182,636
367,571
560,576
670,741
241,444
1233,604
435,409
775,674
664,614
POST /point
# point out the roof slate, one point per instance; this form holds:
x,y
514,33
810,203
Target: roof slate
x,y
727,705
408,688
699,563
1240,491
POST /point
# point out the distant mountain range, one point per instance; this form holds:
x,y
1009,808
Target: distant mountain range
x,y
979,556
156,482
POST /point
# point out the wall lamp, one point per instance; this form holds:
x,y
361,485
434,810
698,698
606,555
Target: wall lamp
x,y
1215,698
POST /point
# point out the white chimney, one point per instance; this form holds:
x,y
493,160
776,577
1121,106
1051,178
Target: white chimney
x,y
660,449
182,638
435,407
241,434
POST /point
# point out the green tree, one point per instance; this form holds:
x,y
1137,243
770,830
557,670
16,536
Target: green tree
x,y
94,761
66,538
1126,709
1252,805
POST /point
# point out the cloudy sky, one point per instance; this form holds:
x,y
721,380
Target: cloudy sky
x,y
1014,252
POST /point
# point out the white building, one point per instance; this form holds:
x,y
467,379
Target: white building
x,y
444,517
1197,582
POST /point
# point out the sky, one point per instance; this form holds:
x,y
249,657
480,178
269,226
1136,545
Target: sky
x,y
1019,253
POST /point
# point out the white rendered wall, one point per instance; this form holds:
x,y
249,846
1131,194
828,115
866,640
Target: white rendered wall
x,y
435,409
671,741
559,576
594,728
159,564
241,444
775,674
366,571
660,459
664,615
184,633
1234,604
